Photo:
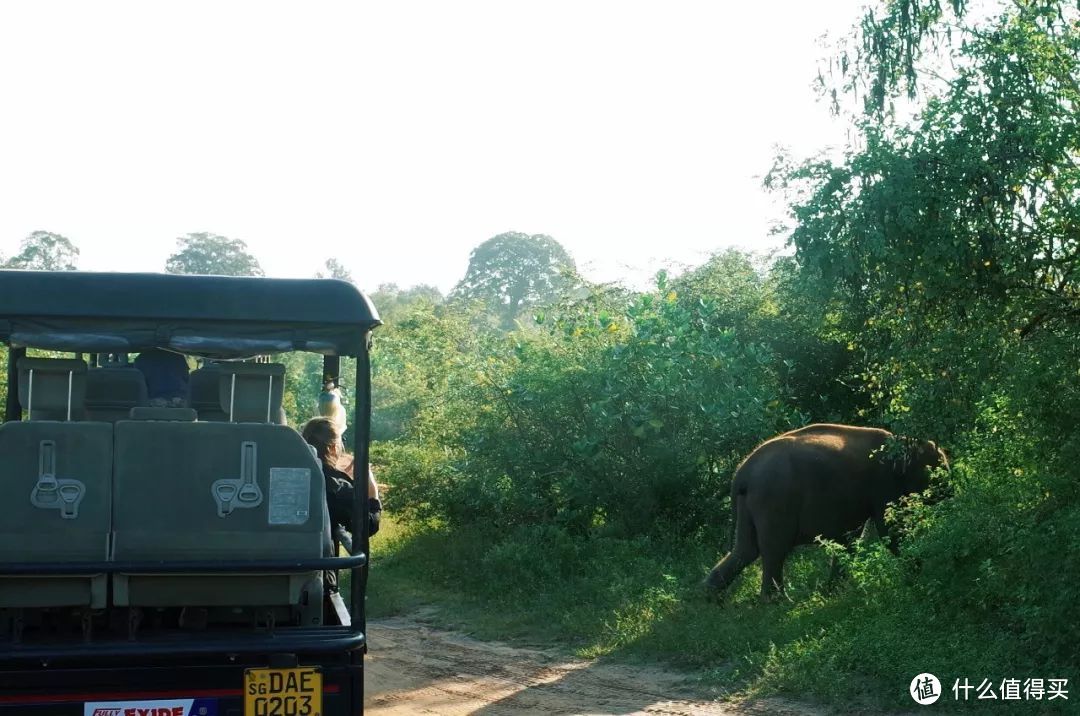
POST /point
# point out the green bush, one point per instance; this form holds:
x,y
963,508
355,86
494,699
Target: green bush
x,y
619,419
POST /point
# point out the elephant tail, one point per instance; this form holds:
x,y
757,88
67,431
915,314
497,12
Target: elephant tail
x,y
738,494
744,543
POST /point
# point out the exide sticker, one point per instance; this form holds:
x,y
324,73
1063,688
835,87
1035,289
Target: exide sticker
x,y
157,707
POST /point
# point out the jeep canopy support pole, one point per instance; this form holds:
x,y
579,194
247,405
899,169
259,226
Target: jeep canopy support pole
x,y
362,421
13,411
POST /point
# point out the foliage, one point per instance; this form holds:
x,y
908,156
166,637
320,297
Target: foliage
x,y
513,272
893,38
44,251
398,386
623,415
933,290
765,302
394,303
211,254
948,242
302,386
4,378
334,269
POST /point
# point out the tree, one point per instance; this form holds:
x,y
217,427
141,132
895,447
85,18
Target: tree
x,y
211,254
335,269
45,251
394,303
950,244
513,272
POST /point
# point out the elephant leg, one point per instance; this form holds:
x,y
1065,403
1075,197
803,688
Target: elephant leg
x,y
775,541
772,575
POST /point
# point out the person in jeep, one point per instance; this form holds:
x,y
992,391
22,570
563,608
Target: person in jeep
x,y
321,433
167,377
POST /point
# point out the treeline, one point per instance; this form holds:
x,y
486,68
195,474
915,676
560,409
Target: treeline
x,y
196,253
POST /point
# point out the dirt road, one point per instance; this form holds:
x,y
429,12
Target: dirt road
x,y
414,669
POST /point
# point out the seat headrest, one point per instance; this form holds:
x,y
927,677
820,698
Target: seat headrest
x,y
251,392
115,386
52,388
203,388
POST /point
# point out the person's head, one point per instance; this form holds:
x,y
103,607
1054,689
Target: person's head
x,y
321,434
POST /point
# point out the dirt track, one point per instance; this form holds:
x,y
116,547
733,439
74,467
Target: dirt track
x,y
414,669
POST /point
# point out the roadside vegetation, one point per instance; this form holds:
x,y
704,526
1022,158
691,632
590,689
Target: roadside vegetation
x,y
565,479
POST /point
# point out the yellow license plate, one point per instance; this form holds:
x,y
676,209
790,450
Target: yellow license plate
x,y
283,692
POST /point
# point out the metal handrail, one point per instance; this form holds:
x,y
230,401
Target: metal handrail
x,y
205,566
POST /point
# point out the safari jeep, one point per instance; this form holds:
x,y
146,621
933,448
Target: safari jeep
x,y
172,561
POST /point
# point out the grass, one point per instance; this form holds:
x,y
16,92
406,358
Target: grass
x,y
636,600
640,600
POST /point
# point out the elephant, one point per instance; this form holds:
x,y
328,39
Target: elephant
x,y
823,480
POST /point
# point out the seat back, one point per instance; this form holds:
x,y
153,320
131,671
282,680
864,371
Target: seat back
x,y
113,391
204,394
218,491
252,392
52,388
56,503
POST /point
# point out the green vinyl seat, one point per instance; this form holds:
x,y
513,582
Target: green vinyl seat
x,y
52,388
187,491
112,391
203,394
252,392
55,491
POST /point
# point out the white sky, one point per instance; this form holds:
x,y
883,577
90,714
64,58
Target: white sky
x,y
398,135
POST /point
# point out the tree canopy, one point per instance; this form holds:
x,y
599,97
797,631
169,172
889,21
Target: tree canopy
x,y
947,241
513,272
394,302
45,251
211,254
335,269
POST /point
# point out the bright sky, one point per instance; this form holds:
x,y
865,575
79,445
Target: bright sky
x,y
396,136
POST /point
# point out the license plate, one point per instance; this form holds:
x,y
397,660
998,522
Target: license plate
x,y
283,692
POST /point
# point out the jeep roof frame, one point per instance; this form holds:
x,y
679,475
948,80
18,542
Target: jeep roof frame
x,y
211,316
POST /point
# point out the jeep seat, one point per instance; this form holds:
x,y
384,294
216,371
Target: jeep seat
x,y
216,491
203,394
252,392
113,391
55,493
52,388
